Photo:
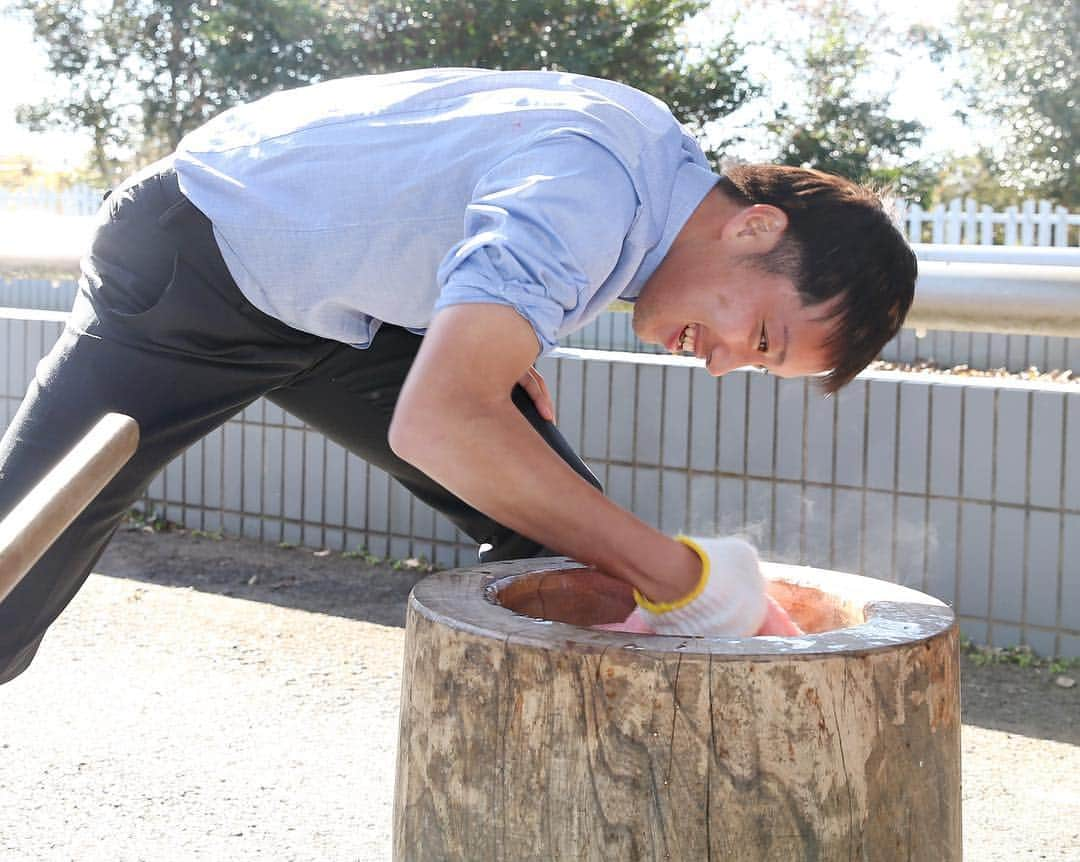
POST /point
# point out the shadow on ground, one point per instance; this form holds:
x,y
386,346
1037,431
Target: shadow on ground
x,y
1021,700
1007,698
245,569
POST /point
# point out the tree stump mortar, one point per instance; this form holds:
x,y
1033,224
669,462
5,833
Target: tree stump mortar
x,y
525,735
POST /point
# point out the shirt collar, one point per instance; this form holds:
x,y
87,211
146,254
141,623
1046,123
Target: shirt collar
x,y
692,182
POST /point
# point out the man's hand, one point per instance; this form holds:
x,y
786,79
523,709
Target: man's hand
x,y
729,599
633,624
533,383
777,621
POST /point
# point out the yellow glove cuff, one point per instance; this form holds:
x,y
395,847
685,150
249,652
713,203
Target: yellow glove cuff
x,y
665,607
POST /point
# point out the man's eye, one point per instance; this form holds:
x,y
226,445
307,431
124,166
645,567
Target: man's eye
x,y
763,339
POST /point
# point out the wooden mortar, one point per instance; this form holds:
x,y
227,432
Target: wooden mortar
x,y
525,736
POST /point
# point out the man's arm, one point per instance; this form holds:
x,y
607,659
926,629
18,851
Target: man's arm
x,y
456,422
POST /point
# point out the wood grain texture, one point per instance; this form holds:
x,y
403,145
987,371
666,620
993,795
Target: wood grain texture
x,y
35,523
523,740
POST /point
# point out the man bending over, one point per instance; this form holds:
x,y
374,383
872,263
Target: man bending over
x,y
385,257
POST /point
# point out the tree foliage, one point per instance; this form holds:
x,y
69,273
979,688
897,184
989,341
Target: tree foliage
x,y
840,126
141,73
1021,59
974,175
634,41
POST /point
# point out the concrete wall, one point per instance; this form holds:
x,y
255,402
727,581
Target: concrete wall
x,y
37,293
968,489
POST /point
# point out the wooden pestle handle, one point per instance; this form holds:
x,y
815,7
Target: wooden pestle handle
x,y
42,515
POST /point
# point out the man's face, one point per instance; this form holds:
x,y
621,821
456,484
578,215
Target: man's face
x,y
718,306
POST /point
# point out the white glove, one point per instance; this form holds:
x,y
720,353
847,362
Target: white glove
x,y
729,600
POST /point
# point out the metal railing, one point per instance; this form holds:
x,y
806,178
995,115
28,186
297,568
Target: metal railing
x,y
977,296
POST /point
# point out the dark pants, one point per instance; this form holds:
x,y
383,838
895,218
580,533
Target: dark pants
x,y
160,332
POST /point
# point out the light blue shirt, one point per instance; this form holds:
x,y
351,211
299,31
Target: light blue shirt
x,y
384,198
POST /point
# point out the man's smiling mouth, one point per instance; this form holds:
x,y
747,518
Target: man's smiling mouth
x,y
687,340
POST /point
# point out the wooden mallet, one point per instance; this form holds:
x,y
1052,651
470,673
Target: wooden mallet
x,y
42,515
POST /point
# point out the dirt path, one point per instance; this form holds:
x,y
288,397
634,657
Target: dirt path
x,y
224,700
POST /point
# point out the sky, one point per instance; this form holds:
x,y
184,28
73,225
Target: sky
x,y
920,92
26,79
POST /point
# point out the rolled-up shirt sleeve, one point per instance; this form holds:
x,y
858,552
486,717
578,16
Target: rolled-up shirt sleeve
x,y
543,231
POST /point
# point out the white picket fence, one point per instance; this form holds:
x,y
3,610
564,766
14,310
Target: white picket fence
x,y
971,223
77,200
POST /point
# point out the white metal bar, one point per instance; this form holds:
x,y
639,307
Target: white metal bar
x,y
1001,298
1033,290
1031,255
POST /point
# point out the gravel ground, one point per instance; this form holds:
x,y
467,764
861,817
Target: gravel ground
x,y
224,700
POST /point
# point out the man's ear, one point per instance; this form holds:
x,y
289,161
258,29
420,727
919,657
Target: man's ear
x,y
756,229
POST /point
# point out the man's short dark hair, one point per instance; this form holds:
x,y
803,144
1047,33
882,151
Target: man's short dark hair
x,y
840,242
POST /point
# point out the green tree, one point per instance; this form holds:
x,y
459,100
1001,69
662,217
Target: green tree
x,y
634,41
141,73
1020,60
974,175
840,127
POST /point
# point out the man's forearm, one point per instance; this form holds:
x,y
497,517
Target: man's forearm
x,y
491,457
455,421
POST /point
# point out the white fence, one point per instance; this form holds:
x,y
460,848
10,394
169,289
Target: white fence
x,y
969,222
77,200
